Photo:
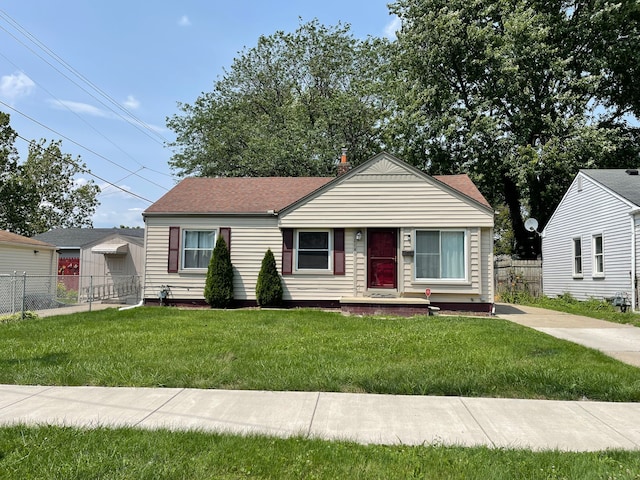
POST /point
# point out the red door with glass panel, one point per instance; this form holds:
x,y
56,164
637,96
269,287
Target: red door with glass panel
x,y
382,255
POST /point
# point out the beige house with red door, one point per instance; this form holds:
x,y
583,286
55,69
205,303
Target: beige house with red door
x,y
375,238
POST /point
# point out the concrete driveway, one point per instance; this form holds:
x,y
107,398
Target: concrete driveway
x,y
619,341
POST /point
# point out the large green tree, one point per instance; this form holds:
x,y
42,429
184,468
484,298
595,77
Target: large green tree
x,y
41,192
520,94
287,106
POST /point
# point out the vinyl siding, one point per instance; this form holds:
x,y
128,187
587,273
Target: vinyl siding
x,y
583,213
250,239
22,259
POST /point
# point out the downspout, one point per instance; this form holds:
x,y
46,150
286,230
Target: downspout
x,y
632,214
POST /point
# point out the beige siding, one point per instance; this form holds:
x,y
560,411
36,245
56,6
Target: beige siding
x,y
17,258
250,239
100,265
477,287
385,195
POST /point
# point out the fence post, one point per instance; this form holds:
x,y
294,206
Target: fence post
x,y
90,290
24,292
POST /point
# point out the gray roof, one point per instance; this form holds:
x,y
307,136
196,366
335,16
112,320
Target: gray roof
x,y
79,237
618,181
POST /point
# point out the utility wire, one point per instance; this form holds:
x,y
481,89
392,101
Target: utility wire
x,y
89,172
88,124
136,121
83,147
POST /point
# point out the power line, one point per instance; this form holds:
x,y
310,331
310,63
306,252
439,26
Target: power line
x,y
89,172
83,147
136,121
88,124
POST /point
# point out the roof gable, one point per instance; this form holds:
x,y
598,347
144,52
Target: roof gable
x,y
79,237
269,195
387,166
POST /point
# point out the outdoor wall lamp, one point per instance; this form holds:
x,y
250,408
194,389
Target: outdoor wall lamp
x,y
358,235
35,252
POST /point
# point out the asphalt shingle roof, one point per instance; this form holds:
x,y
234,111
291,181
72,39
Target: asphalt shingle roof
x,y
8,237
618,181
78,237
236,195
251,195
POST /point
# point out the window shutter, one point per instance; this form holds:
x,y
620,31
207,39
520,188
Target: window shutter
x,y
225,232
287,251
338,251
174,249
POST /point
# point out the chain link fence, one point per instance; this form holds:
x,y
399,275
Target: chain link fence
x,y
21,292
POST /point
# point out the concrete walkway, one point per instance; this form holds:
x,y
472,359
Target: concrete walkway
x,y
364,418
619,341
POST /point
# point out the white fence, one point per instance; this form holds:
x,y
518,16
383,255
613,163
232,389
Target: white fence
x,y
22,292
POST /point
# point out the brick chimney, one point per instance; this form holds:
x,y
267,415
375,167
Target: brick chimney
x,y
344,166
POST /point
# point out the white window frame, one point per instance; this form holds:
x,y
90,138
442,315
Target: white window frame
x,y
577,255
465,243
183,248
597,273
297,250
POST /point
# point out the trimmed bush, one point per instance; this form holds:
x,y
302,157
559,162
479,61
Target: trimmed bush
x,y
218,290
269,286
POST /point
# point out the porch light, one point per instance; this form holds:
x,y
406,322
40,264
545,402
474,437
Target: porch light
x,y
358,236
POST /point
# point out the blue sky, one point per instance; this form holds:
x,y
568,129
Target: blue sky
x,y
104,76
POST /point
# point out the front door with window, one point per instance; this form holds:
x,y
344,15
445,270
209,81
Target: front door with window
x,y
382,256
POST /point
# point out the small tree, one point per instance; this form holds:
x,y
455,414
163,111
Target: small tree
x,y
218,290
268,287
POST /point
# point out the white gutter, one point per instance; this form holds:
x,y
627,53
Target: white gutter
x,y
632,214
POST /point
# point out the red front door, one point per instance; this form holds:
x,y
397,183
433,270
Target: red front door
x,y
382,251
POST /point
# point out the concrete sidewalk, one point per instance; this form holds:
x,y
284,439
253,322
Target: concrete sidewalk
x,y
619,341
363,418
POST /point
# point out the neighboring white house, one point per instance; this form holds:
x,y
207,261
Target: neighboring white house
x,y
590,244
376,236
21,255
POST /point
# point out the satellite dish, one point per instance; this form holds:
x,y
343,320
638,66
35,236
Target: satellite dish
x,y
531,224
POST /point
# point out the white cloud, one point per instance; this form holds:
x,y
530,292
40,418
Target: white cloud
x,y
131,102
15,86
392,27
184,21
78,107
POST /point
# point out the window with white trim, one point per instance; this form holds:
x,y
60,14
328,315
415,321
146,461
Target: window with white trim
x,y
598,256
313,250
577,257
197,247
440,254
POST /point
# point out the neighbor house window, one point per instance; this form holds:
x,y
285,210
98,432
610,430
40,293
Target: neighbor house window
x,y
577,257
197,246
598,255
313,250
440,255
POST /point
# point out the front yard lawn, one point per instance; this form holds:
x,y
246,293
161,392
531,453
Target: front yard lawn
x,y
55,452
308,350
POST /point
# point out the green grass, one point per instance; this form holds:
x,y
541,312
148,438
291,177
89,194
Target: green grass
x,y
57,452
308,350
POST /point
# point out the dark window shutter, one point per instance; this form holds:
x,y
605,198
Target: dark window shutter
x,y
338,251
287,251
174,249
225,232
